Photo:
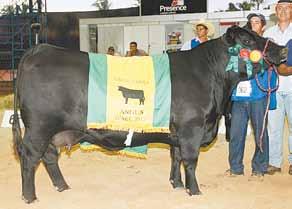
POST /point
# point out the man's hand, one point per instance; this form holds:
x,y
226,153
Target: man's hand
x,y
284,70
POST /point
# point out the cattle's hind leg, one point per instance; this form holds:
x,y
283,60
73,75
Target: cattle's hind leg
x,y
50,160
175,173
30,156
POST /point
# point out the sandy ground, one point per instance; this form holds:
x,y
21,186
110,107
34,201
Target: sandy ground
x,y
100,181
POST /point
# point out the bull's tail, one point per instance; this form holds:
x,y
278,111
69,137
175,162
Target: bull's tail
x,y
14,119
16,130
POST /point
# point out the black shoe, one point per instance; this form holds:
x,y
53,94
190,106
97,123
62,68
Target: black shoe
x,y
230,173
272,170
256,177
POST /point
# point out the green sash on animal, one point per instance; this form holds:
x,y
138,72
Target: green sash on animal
x,y
132,93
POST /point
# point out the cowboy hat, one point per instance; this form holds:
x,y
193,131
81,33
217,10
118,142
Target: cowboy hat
x,y
284,1
273,6
273,9
207,24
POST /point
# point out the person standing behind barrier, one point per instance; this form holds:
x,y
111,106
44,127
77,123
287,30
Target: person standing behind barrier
x,y
203,31
134,51
249,102
111,51
280,33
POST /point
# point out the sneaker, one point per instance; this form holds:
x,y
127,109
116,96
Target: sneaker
x,y
230,173
256,177
272,170
290,170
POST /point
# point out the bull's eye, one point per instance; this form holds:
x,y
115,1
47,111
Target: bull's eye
x,y
246,42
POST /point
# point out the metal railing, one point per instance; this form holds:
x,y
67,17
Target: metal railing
x,y
16,36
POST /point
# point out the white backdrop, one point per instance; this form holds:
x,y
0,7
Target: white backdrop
x,y
156,39
111,36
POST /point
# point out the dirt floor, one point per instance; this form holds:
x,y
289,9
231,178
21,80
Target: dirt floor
x,y
100,181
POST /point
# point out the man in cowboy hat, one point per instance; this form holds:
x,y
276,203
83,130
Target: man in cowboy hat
x,y
281,33
203,30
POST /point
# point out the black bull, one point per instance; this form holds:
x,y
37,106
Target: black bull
x,y
52,96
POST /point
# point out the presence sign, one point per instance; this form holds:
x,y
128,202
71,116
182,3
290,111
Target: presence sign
x,y
165,7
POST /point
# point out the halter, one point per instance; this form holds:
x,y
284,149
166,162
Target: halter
x,y
264,52
270,69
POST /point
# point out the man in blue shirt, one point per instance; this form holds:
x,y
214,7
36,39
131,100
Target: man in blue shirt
x,y
249,102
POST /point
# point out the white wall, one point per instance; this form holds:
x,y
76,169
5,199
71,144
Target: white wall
x,y
156,39
111,36
84,37
149,31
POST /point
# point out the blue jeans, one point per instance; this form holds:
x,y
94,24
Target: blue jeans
x,y
241,113
276,128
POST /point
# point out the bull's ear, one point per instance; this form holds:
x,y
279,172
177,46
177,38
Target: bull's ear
x,y
229,36
247,26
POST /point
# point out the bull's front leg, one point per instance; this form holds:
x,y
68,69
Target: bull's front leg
x,y
175,173
192,187
142,101
190,148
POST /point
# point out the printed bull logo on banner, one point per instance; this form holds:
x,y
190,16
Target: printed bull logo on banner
x,y
133,94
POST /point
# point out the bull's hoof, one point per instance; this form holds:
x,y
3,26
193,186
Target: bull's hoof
x,y
193,193
62,188
29,200
176,184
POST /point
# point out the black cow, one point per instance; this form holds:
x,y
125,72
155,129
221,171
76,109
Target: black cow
x,y
132,93
51,93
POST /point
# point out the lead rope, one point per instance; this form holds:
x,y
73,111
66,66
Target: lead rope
x,y
269,91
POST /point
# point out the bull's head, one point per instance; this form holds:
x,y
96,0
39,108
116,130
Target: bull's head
x,y
272,53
